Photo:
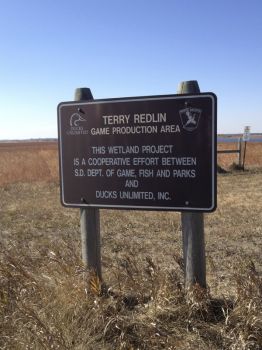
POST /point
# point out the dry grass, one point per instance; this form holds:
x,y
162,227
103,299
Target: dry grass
x,y
253,155
28,161
48,300
38,161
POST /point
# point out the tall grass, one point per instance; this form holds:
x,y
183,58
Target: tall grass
x,y
48,300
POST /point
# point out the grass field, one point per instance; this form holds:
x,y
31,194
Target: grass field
x,y
48,300
34,161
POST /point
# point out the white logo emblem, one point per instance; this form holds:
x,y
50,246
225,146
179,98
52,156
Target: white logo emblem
x,y
76,119
190,118
77,125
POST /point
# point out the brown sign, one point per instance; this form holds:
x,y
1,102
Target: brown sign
x,y
156,152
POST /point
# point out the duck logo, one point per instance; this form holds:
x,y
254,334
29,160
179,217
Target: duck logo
x,y
77,125
76,120
190,118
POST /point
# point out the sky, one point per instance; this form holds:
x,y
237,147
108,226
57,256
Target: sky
x,y
122,48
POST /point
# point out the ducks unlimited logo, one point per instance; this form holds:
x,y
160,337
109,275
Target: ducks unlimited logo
x,y
77,125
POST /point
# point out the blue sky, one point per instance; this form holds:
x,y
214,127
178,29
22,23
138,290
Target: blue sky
x,y
127,48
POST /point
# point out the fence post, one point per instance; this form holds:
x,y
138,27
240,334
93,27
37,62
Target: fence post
x,y
193,226
89,218
244,155
240,151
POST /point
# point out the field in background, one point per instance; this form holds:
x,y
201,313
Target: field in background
x,y
253,155
28,161
38,161
46,301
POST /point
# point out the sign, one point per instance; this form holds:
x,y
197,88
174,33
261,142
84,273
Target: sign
x,y
246,135
156,152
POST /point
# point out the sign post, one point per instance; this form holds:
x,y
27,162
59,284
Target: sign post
x,y
193,227
239,152
245,138
89,217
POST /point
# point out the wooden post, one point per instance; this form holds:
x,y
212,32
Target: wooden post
x,y
193,226
89,218
244,155
239,151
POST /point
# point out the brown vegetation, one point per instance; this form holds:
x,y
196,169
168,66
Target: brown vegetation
x,y
253,155
28,161
38,161
48,302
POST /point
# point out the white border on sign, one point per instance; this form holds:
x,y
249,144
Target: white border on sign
x,y
107,206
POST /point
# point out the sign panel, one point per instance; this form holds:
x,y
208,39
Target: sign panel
x,y
246,135
156,152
